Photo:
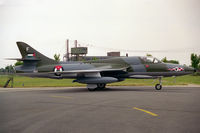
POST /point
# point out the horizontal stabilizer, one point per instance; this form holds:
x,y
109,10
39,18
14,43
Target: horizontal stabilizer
x,y
20,59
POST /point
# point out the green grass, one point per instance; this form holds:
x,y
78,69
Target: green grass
x,y
182,80
44,82
20,81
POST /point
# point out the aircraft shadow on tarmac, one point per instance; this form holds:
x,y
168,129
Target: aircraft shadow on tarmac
x,y
121,89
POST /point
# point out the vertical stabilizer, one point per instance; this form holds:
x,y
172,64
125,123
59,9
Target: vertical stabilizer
x,y
28,53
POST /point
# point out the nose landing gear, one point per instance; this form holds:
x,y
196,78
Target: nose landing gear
x,y
159,86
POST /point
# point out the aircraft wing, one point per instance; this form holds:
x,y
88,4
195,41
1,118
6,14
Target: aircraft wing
x,y
97,70
141,77
90,76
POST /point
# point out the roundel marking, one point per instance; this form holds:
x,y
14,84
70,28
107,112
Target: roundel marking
x,y
176,69
58,68
146,66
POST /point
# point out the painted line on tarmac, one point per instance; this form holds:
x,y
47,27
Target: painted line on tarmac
x,y
146,111
4,91
66,97
14,90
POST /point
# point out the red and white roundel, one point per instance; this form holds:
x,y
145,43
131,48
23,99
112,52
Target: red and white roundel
x,y
58,68
176,69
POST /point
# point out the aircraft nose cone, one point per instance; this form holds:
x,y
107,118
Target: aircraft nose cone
x,y
180,68
189,69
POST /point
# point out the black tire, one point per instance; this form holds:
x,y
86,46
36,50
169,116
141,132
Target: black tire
x,y
58,74
101,86
92,89
158,86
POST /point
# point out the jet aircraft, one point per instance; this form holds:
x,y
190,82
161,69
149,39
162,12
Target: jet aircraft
x,y
96,73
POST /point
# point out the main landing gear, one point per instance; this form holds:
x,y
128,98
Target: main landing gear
x,y
93,87
159,86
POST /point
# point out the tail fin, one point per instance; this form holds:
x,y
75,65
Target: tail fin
x,y
29,53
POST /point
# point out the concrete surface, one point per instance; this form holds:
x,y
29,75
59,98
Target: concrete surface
x,y
114,110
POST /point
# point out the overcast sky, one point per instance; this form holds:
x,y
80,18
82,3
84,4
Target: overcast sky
x,y
162,28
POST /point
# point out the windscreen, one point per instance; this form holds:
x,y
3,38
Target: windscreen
x,y
150,60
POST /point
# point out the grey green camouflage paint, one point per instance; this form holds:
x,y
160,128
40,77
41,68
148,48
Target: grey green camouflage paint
x,y
38,65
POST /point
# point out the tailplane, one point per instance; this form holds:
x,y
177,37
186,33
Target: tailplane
x,y
29,54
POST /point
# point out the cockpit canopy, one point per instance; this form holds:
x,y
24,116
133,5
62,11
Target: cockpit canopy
x,y
150,59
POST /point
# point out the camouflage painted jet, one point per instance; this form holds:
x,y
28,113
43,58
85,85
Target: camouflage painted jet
x,y
96,73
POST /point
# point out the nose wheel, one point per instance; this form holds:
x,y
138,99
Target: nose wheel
x,y
159,86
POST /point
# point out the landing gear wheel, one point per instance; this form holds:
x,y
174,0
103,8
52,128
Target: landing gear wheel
x,y
101,86
158,86
92,89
